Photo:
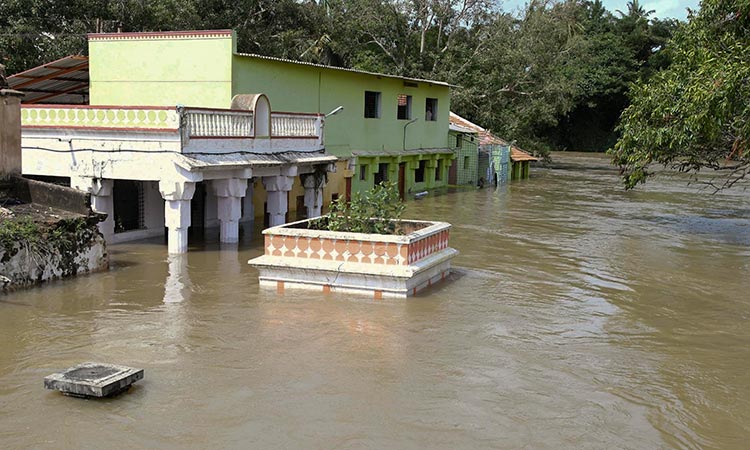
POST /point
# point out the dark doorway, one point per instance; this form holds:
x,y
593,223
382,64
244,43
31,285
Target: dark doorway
x,y
128,205
453,173
301,209
382,174
198,209
348,192
402,180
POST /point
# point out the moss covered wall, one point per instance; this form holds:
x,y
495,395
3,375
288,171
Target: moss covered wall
x,y
32,252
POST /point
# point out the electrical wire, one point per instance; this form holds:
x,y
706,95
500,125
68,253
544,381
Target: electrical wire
x,y
239,152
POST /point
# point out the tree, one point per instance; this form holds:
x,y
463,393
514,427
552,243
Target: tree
x,y
694,114
526,77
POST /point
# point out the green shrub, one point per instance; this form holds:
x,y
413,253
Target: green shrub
x,y
377,212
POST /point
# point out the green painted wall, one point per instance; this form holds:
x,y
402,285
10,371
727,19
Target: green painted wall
x,y
161,71
467,159
303,88
435,171
205,71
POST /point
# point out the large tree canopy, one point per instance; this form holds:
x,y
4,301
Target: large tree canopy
x,y
555,75
696,113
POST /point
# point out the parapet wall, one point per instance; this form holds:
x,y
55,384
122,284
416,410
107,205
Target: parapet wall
x,y
46,232
66,248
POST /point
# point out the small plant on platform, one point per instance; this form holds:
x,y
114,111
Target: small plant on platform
x,y
377,212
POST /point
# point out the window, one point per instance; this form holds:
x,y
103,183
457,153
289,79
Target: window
x,y
404,107
430,110
466,162
438,170
382,174
372,105
419,173
458,141
363,172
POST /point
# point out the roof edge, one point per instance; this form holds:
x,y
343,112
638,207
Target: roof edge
x,y
345,69
159,35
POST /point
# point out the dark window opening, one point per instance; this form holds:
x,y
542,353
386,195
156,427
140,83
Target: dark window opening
x,y
466,162
382,174
419,173
363,172
430,109
128,205
438,170
458,141
372,105
404,107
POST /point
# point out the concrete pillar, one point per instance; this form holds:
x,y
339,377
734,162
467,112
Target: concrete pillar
x,y
229,194
10,130
177,196
102,201
278,188
313,194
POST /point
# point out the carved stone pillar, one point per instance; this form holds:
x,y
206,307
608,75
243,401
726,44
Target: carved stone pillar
x,y
314,185
177,196
229,194
278,188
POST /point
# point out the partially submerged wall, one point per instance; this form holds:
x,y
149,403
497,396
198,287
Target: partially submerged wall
x,y
31,253
47,232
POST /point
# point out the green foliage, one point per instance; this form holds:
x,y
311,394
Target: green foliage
x,y
23,230
377,212
554,75
39,237
695,114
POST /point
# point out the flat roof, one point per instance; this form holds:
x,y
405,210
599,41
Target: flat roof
x,y
227,33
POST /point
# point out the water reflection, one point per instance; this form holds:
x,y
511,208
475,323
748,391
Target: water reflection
x,y
178,287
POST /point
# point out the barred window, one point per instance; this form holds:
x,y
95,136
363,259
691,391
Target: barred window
x,y
430,109
404,107
372,105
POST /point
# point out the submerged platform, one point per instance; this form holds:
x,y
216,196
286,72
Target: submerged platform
x,y
399,266
93,379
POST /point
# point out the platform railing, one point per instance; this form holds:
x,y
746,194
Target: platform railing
x,y
207,123
295,125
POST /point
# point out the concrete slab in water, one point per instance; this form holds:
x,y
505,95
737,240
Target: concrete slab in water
x,y
93,379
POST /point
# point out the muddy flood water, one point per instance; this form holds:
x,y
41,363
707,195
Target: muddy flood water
x,y
579,316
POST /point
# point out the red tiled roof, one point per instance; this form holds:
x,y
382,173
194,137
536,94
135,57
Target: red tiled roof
x,y
487,138
516,154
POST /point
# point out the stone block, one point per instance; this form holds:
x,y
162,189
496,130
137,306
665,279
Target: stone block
x,y
93,380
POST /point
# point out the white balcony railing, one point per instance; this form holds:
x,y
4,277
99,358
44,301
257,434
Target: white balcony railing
x,y
203,122
295,125
214,130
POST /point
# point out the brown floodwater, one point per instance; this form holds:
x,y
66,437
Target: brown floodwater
x,y
578,316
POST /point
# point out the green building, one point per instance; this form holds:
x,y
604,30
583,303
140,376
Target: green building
x,y
390,127
464,170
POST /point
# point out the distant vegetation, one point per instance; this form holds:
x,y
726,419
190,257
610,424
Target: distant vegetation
x,y
555,75
695,114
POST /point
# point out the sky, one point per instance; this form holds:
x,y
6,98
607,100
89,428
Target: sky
x,y
663,8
